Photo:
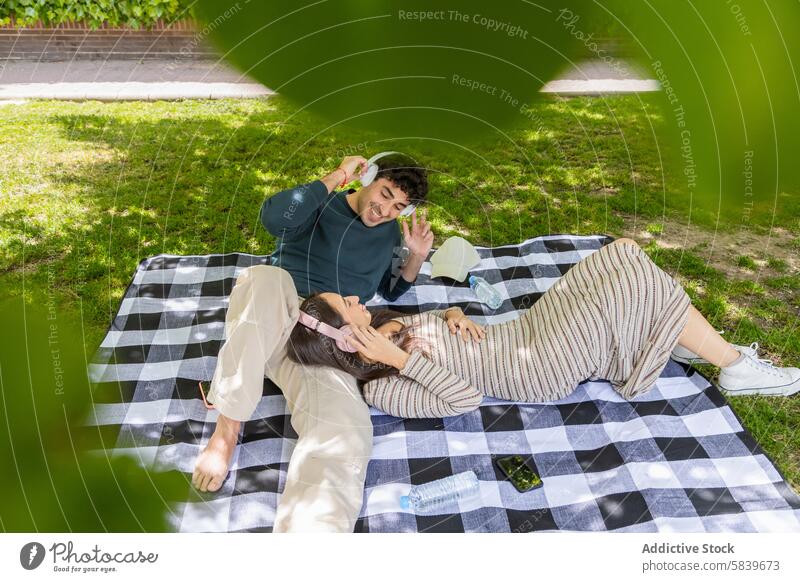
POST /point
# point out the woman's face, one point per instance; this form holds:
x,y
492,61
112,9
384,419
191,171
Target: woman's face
x,y
353,312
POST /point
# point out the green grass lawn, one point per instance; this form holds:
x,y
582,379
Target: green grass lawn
x,y
87,190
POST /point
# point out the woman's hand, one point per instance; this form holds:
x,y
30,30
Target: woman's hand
x,y
376,347
457,321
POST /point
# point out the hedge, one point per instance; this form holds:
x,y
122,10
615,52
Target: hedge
x,y
132,13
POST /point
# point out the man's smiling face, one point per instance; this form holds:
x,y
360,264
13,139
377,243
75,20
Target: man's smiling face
x,y
380,202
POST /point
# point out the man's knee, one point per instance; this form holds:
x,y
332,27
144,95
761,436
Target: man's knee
x,y
268,277
266,273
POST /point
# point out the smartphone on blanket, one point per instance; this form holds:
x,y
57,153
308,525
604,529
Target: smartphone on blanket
x,y
522,476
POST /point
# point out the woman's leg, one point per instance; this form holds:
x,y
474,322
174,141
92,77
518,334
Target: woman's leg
x,y
701,338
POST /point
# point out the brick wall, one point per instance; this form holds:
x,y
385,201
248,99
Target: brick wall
x,y
65,42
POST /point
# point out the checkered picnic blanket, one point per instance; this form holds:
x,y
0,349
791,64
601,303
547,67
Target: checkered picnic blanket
x,y
674,459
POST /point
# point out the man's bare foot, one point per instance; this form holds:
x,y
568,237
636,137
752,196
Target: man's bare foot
x,y
213,462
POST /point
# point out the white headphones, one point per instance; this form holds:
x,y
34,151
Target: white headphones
x,y
372,170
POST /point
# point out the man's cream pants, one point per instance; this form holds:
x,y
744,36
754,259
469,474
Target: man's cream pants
x,y
325,480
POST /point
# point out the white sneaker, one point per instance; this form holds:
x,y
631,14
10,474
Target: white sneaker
x,y
754,375
687,356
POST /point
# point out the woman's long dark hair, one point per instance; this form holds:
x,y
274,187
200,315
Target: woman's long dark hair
x,y
308,347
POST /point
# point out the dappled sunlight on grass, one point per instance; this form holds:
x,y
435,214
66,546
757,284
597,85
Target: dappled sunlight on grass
x,y
539,136
586,114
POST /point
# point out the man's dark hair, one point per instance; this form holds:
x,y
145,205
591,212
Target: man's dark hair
x,y
406,174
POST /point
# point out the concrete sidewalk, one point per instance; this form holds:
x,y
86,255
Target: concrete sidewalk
x,y
131,91
170,80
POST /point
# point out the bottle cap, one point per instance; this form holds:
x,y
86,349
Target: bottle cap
x,y
404,502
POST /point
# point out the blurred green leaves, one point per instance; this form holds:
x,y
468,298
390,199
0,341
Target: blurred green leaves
x,y
58,477
407,69
443,73
730,99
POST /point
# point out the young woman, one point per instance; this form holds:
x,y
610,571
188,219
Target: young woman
x,y
614,315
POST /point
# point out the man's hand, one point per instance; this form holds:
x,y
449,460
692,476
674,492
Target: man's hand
x,y
350,169
419,239
354,166
457,321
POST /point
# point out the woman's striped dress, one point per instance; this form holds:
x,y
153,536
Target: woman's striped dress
x,y
614,315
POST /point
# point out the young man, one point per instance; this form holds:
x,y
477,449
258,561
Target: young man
x,y
340,241
328,241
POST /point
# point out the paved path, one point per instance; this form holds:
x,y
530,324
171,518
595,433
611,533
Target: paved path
x,y
176,79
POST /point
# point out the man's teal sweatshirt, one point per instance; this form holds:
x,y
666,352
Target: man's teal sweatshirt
x,y
325,246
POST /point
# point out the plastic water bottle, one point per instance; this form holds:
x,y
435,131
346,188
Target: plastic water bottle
x,y
430,498
486,293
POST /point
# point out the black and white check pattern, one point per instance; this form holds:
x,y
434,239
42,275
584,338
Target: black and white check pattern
x,y
675,459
